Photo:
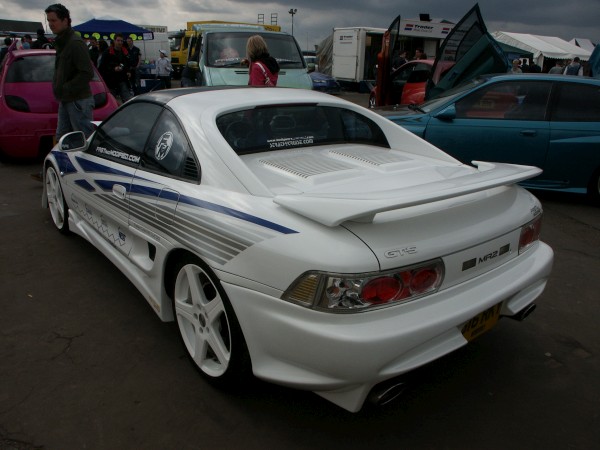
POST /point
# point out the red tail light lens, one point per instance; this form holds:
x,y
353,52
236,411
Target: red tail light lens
x,y
530,233
424,280
381,290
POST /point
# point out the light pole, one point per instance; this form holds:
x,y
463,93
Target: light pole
x,y
293,11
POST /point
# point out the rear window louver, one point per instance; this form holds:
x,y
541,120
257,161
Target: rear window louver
x,y
190,170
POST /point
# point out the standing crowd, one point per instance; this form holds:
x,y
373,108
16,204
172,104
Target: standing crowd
x,y
572,67
119,64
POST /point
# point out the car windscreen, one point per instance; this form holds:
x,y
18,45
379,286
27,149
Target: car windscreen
x,y
33,69
227,49
283,127
175,42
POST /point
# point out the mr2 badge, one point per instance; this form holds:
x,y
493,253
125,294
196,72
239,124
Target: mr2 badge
x,y
469,264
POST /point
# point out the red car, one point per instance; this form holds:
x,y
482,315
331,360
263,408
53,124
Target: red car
x,y
467,52
28,108
407,84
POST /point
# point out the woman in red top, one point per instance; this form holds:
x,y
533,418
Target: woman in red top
x,y
264,69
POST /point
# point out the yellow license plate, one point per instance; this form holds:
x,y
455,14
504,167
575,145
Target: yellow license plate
x,y
481,323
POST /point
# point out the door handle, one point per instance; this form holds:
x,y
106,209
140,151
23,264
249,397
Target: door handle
x,y
120,191
528,133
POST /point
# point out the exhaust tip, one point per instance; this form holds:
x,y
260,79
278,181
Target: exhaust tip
x,y
524,313
386,392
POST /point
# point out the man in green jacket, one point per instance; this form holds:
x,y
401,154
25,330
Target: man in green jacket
x,y
72,75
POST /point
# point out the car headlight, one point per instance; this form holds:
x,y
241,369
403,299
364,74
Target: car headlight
x,y
359,292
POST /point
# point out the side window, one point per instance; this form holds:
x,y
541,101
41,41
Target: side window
x,y
358,128
403,75
514,100
577,103
168,150
123,137
420,74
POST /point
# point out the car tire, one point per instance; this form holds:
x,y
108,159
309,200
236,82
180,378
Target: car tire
x,y
207,324
59,211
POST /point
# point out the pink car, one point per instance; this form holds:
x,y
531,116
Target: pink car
x,y
28,109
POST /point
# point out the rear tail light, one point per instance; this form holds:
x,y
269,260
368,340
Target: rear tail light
x,y
358,292
530,233
382,289
17,103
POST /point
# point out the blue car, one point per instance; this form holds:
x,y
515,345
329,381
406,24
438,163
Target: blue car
x,y
325,83
548,121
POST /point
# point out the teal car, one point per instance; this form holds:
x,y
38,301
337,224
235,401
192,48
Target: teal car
x,y
548,121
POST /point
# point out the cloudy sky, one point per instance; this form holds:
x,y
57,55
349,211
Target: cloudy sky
x,y
315,19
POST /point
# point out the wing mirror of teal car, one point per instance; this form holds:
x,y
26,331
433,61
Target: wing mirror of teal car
x,y
72,141
447,114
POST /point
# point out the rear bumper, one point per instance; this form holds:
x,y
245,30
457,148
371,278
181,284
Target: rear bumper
x,y
25,145
342,356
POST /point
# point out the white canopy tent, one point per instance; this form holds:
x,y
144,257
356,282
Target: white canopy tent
x,y
583,43
542,46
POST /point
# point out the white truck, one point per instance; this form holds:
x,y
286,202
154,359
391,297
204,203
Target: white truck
x,y
354,53
355,49
150,48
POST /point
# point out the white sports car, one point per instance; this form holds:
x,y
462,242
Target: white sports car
x,y
300,237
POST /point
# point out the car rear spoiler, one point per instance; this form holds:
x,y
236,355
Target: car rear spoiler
x,y
333,210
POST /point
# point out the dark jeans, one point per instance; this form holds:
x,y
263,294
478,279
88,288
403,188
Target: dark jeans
x,y
166,81
75,116
123,91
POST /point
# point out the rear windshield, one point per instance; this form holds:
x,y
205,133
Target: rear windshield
x,y
227,49
33,69
293,126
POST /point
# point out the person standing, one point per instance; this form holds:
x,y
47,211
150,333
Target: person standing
x,y
557,69
102,48
72,75
516,66
135,58
419,54
164,69
264,69
574,68
4,50
114,68
41,39
27,41
398,60
73,72
94,50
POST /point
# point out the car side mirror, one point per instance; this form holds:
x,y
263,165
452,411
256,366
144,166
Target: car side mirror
x,y
447,114
310,67
72,141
